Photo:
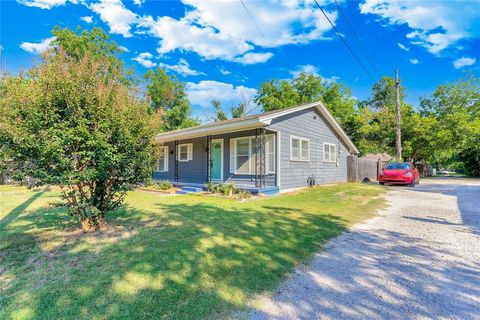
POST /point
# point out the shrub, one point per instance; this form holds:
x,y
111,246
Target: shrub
x,y
224,189
164,185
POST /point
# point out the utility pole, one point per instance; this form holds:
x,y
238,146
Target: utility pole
x,y
397,117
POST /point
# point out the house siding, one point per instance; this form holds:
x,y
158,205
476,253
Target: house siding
x,y
294,174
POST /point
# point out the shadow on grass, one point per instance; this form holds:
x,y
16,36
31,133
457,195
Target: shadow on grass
x,y
192,261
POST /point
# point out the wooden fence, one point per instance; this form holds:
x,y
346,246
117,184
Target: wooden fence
x,y
363,169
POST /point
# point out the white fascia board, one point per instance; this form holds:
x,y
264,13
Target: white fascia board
x,y
210,130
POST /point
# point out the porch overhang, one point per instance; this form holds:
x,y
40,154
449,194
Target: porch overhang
x,y
212,129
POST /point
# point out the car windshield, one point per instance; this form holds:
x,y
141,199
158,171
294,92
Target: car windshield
x,y
397,166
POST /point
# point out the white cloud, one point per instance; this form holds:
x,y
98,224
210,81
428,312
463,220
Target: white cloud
x,y
414,61
223,30
145,59
254,57
224,71
436,25
37,48
463,62
182,67
42,4
205,91
311,69
138,2
403,47
181,34
281,22
124,49
87,19
116,15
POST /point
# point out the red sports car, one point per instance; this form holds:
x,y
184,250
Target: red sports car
x,y
400,173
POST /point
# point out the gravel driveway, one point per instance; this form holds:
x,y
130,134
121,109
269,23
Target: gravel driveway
x,y
418,259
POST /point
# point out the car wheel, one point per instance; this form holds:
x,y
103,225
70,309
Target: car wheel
x,y
382,183
412,184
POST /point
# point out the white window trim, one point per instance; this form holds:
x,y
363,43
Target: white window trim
x,y
221,164
164,149
250,171
189,152
291,149
324,154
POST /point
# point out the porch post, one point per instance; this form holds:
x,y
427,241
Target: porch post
x,y
175,150
260,158
209,160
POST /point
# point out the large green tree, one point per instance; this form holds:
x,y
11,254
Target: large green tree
x,y
306,88
455,108
167,94
219,113
74,121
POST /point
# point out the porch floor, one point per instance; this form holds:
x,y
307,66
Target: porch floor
x,y
270,190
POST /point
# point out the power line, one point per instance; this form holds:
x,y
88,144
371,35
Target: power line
x,y
253,20
345,42
357,37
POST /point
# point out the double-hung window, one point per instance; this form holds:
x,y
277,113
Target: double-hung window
x,y
243,155
185,152
162,163
329,152
299,149
270,153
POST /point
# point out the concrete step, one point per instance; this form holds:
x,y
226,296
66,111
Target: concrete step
x,y
192,189
183,192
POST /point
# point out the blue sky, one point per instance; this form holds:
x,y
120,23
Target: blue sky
x,y
218,51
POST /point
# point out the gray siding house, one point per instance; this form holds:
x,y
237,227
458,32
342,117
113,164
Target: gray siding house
x,y
265,153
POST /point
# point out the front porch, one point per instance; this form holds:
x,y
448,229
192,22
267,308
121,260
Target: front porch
x,y
247,159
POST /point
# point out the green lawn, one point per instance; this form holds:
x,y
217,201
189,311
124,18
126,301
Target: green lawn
x,y
166,257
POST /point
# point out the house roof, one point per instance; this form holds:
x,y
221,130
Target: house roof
x,y
252,122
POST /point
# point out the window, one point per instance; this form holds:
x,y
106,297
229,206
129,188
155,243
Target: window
x,y
244,151
162,163
243,155
270,153
299,149
185,152
329,152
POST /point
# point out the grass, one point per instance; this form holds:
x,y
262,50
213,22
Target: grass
x,y
165,257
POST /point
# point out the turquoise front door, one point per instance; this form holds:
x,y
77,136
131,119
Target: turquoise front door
x,y
216,157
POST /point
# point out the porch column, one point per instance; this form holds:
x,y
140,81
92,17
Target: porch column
x,y
175,150
209,160
260,158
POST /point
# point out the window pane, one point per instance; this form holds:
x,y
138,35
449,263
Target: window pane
x,y
271,163
183,152
305,145
161,165
332,154
270,144
304,154
304,150
242,164
242,147
295,153
295,143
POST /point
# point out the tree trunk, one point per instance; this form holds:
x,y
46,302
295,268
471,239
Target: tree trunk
x,y
93,224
